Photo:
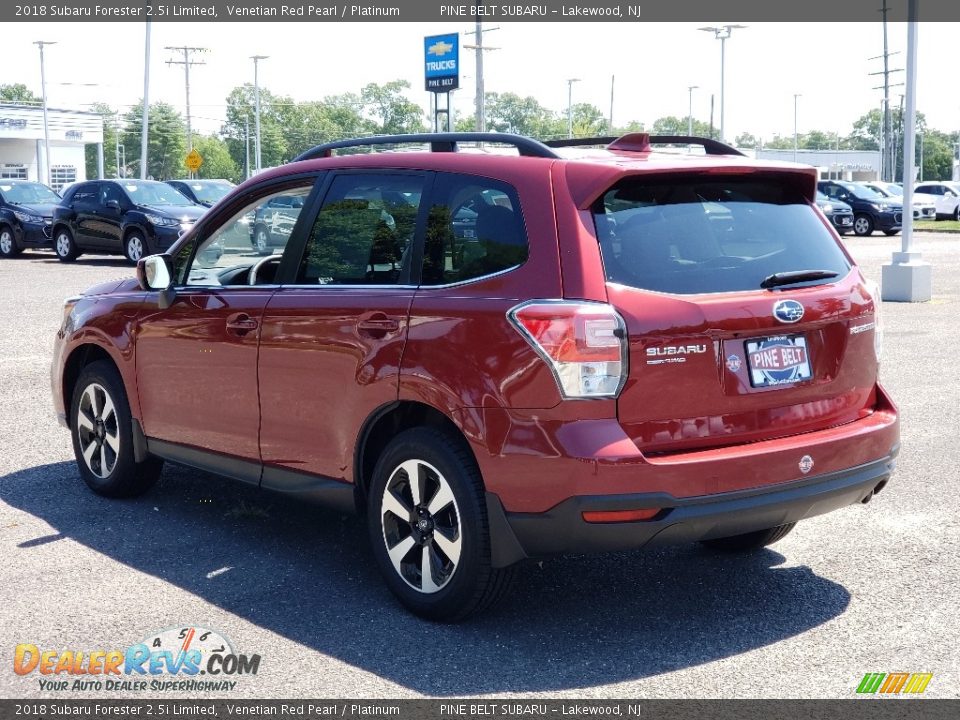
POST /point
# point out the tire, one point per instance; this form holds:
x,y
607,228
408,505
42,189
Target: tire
x,y
956,213
64,245
102,427
890,232
749,541
135,247
461,581
863,225
8,243
261,240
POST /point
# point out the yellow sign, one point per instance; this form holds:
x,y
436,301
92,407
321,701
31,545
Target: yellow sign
x,y
193,161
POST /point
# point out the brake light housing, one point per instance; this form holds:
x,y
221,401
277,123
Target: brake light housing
x,y
584,343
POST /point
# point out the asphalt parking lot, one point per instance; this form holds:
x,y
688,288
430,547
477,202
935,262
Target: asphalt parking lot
x,y
870,588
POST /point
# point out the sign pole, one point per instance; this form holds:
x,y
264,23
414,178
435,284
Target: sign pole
x,y
906,278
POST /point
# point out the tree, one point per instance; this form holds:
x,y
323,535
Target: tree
x,y
109,143
18,93
746,140
391,111
937,154
672,125
508,112
241,111
588,120
217,162
167,141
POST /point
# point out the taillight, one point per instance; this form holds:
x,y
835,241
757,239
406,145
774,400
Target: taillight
x,y
585,344
874,290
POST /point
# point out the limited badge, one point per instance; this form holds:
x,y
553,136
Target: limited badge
x,y
806,464
733,363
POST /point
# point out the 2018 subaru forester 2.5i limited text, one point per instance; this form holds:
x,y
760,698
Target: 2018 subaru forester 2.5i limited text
x,y
500,353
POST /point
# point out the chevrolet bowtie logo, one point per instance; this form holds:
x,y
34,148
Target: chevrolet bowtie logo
x,y
439,48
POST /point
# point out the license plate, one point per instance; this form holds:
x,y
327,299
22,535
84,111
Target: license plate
x,y
846,221
778,360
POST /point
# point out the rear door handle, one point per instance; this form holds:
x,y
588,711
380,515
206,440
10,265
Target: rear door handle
x,y
379,325
242,324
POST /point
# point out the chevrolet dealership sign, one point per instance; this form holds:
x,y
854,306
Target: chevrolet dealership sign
x,y
442,62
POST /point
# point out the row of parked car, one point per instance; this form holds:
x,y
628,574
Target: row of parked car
x,y
865,207
131,217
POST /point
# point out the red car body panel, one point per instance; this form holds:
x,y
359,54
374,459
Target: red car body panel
x,y
296,392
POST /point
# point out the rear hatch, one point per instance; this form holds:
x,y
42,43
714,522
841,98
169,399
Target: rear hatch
x,y
747,320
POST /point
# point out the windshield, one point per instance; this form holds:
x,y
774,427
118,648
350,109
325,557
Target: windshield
x,y
879,190
26,193
210,192
864,193
692,235
953,186
822,199
156,194
894,190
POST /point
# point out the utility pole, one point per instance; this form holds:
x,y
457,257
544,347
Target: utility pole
x,y
246,142
256,99
888,164
690,89
145,124
187,62
480,48
612,77
46,126
795,96
570,82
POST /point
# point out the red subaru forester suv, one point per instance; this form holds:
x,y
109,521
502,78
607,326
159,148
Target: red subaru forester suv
x,y
499,352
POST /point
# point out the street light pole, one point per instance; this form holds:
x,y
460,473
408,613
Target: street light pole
x,y
795,96
690,89
256,99
722,33
570,82
145,124
46,124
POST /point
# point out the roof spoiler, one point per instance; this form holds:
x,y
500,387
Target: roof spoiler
x,y
643,142
438,142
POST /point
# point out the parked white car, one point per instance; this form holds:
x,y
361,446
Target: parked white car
x,y
923,207
945,195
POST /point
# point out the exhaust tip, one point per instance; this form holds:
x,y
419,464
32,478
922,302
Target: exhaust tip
x,y
867,498
880,486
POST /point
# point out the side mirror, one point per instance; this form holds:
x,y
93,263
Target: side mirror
x,y
115,204
155,273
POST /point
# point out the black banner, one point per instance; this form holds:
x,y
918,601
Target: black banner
x,y
854,709
440,11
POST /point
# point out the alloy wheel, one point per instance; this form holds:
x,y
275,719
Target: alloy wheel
x,y
263,244
6,242
63,245
98,430
861,225
421,526
134,248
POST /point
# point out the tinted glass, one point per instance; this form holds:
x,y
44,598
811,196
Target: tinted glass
x,y
703,235
474,229
210,192
88,193
155,194
364,231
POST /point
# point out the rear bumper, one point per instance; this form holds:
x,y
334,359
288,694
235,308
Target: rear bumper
x,y
681,520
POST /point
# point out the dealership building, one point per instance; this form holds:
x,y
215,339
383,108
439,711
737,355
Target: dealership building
x,y
855,165
23,151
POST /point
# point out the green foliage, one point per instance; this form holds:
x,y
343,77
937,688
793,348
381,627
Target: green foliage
x,y
390,110
217,162
672,125
18,93
109,143
167,141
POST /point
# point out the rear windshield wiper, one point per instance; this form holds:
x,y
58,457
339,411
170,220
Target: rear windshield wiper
x,y
796,276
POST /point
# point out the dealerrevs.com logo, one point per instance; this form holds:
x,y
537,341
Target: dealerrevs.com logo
x,y
188,659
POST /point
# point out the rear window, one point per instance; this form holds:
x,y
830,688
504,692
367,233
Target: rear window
x,y
689,235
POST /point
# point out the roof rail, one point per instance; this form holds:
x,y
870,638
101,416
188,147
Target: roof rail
x,y
642,142
439,142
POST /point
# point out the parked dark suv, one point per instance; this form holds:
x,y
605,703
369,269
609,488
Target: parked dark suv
x,y
496,357
202,192
871,210
133,218
273,222
26,216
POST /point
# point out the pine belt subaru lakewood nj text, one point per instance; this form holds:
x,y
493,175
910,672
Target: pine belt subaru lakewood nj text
x,y
498,352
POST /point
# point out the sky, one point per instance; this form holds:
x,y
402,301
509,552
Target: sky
x,y
827,64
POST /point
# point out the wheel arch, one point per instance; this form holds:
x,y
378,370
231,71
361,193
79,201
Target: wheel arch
x,y
81,356
384,424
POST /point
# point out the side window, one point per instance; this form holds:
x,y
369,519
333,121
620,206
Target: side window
x,y
474,229
108,192
258,232
86,194
364,231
